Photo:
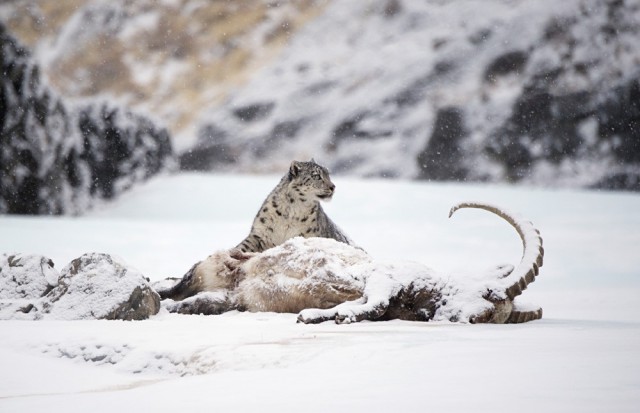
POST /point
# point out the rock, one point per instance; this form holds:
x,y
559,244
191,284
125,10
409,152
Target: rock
x,y
353,128
545,126
277,139
99,286
392,8
441,159
212,149
94,286
24,280
26,276
253,112
348,128
509,62
619,121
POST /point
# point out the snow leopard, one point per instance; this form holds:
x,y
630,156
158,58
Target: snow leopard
x,y
292,209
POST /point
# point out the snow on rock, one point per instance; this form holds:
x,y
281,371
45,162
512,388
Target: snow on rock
x,y
56,158
26,276
99,286
94,286
24,281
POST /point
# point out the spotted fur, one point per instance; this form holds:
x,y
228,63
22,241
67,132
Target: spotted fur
x,y
293,209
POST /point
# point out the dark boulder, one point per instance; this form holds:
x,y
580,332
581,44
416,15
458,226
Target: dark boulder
x,y
442,157
253,112
352,129
507,63
619,121
211,150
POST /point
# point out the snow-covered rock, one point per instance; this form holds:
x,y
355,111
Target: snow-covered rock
x,y
24,281
26,276
93,286
99,286
55,157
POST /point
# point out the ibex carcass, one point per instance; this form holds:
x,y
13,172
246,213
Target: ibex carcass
x,y
322,279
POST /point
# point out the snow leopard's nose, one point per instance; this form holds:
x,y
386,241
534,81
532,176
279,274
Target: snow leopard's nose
x,y
332,187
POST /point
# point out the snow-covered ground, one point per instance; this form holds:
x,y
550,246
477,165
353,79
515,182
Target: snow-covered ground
x,y
583,356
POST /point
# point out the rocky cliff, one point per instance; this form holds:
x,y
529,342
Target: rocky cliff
x,y
542,93
533,92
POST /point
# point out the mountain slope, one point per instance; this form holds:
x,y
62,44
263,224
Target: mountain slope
x,y
542,93
537,92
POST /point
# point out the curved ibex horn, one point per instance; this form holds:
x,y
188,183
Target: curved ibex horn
x,y
533,252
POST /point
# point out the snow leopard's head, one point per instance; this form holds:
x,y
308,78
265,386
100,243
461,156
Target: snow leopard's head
x,y
311,180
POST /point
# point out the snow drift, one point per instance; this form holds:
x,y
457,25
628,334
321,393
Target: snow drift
x,y
581,356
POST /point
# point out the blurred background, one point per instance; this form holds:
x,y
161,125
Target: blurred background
x,y
97,95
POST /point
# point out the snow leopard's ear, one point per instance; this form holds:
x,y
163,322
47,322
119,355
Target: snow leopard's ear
x,y
313,161
294,169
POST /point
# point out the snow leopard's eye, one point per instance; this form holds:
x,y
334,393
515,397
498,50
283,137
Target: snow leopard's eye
x,y
315,176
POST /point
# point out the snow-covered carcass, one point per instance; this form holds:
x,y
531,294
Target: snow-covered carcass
x,y
322,279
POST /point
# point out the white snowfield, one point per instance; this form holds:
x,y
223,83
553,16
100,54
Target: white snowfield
x,y
583,356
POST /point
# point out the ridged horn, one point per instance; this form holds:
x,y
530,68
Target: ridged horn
x,y
533,252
